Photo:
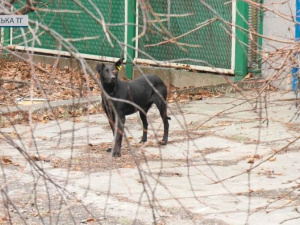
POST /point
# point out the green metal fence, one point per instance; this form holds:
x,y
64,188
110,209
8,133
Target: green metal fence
x,y
187,34
78,22
200,32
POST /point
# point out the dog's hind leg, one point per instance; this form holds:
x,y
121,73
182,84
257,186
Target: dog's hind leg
x,y
145,126
162,107
143,116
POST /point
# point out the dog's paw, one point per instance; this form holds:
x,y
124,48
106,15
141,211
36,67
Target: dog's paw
x,y
143,141
108,150
116,154
162,142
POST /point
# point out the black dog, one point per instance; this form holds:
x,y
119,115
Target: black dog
x,y
141,92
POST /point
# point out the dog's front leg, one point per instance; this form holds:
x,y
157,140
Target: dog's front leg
x,y
113,131
111,120
119,123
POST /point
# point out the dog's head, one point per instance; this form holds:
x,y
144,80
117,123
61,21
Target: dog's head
x,y
109,74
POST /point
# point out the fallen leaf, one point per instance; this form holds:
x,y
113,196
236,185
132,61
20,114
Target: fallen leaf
x,y
77,168
6,160
128,166
198,97
92,110
248,76
184,100
90,220
39,158
4,219
251,160
9,86
140,181
272,159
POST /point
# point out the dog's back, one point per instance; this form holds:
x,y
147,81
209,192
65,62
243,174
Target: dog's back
x,y
147,90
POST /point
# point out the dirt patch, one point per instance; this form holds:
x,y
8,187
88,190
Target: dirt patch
x,y
181,214
95,158
290,149
186,136
207,151
241,139
216,162
288,194
169,174
293,127
36,210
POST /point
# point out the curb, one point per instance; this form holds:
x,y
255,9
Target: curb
x,y
50,105
227,88
80,102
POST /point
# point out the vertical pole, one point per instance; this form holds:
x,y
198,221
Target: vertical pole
x,y
255,45
5,39
131,34
260,39
295,71
241,47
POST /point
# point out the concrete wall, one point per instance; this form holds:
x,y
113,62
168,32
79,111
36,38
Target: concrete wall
x,y
278,31
182,78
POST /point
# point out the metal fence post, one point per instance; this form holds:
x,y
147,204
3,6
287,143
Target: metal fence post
x,y
131,34
295,70
260,40
255,44
5,39
241,50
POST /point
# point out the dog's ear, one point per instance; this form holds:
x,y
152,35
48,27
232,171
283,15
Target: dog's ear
x,y
119,63
99,67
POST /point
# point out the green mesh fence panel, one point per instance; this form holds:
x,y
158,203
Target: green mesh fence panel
x,y
74,23
208,46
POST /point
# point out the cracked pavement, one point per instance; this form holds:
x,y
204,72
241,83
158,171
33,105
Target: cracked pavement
x,y
228,161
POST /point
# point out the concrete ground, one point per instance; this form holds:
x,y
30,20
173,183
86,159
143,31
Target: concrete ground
x,y
228,161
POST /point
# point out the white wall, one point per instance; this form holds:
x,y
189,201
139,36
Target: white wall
x,y
279,34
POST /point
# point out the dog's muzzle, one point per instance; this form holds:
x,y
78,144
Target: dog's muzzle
x,y
110,79
113,79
